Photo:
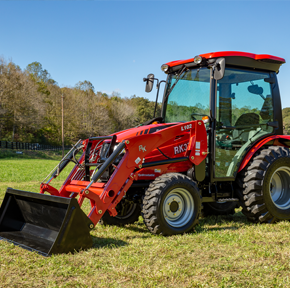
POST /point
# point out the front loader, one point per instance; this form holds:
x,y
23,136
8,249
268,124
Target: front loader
x,y
217,145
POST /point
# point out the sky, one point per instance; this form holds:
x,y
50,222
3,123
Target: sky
x,y
114,44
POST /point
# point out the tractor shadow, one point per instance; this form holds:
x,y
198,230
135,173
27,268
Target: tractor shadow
x,y
206,224
138,227
111,243
223,222
140,232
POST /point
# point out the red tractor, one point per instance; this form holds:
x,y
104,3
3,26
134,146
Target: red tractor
x,y
218,144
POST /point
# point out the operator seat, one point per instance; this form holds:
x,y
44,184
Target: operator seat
x,y
245,121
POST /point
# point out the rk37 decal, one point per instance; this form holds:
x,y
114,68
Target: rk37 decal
x,y
180,148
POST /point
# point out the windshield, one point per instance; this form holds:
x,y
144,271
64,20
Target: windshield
x,y
189,97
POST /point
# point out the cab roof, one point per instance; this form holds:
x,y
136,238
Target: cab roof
x,y
211,55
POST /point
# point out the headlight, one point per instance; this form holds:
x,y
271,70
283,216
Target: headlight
x,y
197,59
164,68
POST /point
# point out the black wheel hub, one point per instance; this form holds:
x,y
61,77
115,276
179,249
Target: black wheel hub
x,y
174,206
125,209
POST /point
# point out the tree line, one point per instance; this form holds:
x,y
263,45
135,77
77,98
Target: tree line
x,y
30,108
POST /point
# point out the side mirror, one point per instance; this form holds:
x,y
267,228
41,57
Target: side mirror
x,y
219,71
149,82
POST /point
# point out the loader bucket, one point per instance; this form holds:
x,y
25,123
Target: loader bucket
x,y
43,223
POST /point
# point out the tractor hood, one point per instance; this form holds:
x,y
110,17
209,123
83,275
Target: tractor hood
x,y
141,130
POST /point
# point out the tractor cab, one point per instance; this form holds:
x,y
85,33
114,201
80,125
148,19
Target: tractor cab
x,y
236,95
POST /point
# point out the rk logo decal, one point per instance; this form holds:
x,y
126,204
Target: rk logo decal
x,y
141,148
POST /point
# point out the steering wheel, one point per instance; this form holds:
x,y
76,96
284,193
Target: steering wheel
x,y
192,117
198,114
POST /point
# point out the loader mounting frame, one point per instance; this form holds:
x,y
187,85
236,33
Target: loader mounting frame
x,y
105,196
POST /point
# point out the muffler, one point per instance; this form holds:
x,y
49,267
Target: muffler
x,y
43,223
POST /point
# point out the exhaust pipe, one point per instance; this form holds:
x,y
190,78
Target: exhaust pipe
x,y
43,223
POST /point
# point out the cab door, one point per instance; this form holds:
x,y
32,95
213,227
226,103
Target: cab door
x,y
244,107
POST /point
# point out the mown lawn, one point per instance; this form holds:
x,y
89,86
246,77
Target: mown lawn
x,y
221,252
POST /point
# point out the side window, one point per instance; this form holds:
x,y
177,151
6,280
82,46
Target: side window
x,y
244,107
244,98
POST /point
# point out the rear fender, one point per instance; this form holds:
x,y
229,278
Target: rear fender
x,y
257,146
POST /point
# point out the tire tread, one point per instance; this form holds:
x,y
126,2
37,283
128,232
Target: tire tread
x,y
152,196
250,184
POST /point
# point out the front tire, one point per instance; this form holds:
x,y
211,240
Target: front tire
x,y
171,205
266,186
128,213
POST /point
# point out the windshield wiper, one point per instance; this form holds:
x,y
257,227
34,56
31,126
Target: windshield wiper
x,y
177,79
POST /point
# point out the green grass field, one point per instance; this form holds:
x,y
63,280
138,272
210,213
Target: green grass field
x,y
221,252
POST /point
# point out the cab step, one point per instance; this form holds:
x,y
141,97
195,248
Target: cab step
x,y
228,200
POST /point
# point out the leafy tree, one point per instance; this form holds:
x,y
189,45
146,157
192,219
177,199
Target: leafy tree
x,y
85,86
21,104
38,73
40,76
145,108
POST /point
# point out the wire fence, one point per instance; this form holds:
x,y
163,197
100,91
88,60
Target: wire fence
x,y
30,146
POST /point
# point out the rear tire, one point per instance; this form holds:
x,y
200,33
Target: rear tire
x,y
172,205
266,186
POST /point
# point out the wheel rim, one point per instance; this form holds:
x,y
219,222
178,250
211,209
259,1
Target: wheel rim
x,y
178,207
127,209
280,188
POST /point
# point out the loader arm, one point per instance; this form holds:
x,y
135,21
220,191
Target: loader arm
x,y
76,173
105,196
51,224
